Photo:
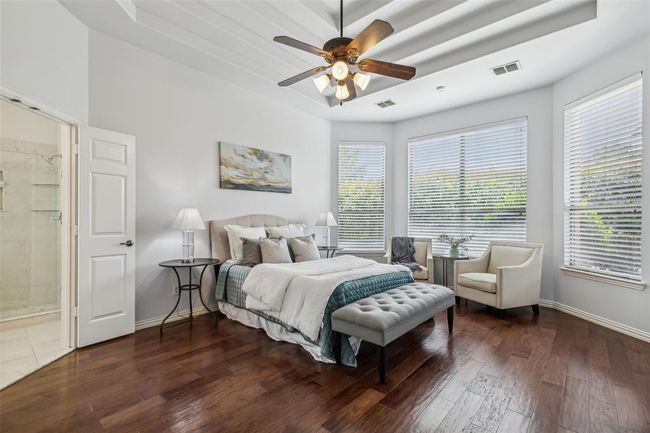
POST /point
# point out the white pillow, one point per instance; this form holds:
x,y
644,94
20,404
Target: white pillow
x,y
235,233
288,231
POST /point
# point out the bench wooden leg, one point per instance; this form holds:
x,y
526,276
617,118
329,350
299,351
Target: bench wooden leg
x,y
535,308
457,300
382,364
450,319
337,346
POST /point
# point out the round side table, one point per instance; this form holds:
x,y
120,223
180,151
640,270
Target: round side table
x,y
330,250
179,264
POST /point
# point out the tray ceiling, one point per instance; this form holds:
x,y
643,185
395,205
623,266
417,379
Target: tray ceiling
x,y
452,43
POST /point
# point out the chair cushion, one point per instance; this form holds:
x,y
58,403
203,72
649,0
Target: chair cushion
x,y
385,316
484,282
507,255
422,274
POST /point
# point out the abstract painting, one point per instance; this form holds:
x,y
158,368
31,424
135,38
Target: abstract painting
x,y
251,169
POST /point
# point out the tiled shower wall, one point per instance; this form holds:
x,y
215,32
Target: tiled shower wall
x,y
29,230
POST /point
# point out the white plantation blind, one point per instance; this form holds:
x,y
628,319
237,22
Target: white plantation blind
x,y
602,181
361,178
470,182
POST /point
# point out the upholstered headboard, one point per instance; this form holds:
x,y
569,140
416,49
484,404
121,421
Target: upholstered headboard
x,y
219,237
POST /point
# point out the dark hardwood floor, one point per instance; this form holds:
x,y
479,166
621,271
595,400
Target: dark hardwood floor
x,y
553,373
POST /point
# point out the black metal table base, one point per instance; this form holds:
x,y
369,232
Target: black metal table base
x,y
187,288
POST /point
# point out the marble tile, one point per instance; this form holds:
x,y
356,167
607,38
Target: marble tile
x,y
48,350
10,371
44,332
10,334
15,349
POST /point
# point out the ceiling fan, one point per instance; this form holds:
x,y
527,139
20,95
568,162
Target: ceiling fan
x,y
342,55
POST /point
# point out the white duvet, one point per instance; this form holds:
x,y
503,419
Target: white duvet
x,y
297,293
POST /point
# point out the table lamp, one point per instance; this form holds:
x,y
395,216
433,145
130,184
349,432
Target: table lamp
x,y
188,220
326,219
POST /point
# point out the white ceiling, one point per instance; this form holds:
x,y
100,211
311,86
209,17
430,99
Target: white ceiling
x,y
452,43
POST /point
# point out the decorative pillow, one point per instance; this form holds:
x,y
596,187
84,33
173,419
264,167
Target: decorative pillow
x,y
304,249
274,250
288,231
251,252
235,233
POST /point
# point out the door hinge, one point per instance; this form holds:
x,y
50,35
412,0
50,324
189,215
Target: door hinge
x,y
75,149
75,311
75,230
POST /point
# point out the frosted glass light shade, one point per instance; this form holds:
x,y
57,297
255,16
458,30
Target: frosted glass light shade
x,y
326,219
188,218
361,80
321,82
342,92
340,70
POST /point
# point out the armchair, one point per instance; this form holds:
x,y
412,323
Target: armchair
x,y
423,257
507,275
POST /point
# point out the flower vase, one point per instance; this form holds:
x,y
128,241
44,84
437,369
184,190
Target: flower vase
x,y
453,251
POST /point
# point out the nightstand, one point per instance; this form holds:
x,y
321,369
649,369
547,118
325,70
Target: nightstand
x,y
180,264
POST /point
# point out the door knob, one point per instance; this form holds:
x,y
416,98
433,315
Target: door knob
x,y
128,243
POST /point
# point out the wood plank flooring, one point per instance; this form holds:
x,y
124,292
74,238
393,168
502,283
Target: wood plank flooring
x,y
553,373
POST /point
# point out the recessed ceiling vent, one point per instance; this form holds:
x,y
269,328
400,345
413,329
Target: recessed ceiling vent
x,y
504,69
385,104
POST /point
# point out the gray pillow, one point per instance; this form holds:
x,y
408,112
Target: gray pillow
x,y
251,252
274,250
304,249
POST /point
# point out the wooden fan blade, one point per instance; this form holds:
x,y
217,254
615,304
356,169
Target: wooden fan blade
x,y
369,37
286,40
388,69
300,77
349,83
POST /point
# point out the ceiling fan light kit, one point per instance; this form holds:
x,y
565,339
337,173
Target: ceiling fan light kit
x,y
342,54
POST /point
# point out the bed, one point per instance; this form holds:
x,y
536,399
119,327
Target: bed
x,y
282,324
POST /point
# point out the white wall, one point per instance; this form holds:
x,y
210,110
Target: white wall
x,y
178,116
535,104
44,51
623,305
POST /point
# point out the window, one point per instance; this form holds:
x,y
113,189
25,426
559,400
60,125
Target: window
x,y
602,181
470,182
361,196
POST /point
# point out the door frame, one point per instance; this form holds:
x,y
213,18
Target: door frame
x,y
69,209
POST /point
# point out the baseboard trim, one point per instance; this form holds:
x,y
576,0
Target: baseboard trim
x,y
607,323
179,315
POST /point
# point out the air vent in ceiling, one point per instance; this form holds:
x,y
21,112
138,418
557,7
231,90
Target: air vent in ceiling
x,y
503,69
386,103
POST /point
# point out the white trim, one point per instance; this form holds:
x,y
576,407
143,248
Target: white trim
x,y
179,315
604,278
589,317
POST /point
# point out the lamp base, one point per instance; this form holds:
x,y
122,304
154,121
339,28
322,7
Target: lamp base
x,y
188,246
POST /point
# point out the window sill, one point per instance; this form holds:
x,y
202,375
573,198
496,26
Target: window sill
x,y
603,278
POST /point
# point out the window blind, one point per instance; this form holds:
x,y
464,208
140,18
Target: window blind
x,y
602,181
470,182
361,178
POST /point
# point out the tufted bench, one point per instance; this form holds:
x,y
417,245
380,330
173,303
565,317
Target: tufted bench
x,y
384,317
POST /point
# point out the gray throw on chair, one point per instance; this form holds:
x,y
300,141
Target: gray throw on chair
x,y
402,250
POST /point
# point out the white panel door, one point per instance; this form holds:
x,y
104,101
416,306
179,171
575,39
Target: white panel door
x,y
106,303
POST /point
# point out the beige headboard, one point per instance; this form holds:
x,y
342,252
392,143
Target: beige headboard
x,y
219,237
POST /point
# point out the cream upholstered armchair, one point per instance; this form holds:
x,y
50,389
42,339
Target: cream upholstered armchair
x,y
423,258
507,275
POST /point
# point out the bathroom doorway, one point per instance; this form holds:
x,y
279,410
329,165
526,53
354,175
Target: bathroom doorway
x,y
37,168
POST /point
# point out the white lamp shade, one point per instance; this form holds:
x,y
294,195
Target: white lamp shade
x,y
188,218
361,80
326,219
